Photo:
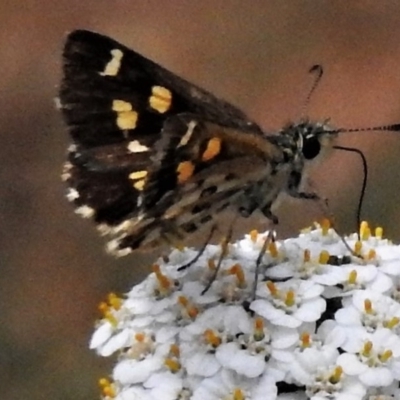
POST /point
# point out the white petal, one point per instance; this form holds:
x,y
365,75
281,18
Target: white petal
x,y
311,311
134,393
274,315
203,364
283,337
309,290
331,333
348,316
166,334
101,335
164,385
351,364
240,361
117,342
128,372
265,388
381,284
379,376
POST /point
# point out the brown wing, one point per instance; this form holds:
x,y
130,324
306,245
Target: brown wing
x,y
115,103
198,169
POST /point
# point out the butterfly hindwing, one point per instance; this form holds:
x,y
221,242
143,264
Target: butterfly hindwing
x,y
190,206
190,145
199,170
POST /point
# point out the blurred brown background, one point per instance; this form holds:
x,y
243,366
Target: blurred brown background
x,y
255,54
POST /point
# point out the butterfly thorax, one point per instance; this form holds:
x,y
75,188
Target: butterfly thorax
x,y
299,143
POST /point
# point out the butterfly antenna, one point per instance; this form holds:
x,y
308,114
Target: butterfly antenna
x,y
390,128
364,183
317,71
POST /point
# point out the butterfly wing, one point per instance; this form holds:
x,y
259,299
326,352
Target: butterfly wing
x,y
130,121
199,169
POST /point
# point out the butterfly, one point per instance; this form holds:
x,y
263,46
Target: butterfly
x,y
155,158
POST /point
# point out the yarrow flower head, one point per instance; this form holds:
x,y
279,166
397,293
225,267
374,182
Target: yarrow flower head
x,y
320,321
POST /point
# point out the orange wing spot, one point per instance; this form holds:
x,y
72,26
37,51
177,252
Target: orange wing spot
x,y
185,171
212,150
160,99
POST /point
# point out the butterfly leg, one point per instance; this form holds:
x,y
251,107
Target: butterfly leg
x,y
269,239
224,251
201,251
247,208
293,188
293,191
266,210
304,195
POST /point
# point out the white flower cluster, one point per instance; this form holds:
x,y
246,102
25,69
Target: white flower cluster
x,y
322,323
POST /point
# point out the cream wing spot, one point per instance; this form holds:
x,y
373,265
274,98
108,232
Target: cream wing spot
x,y
186,137
121,106
72,194
66,172
136,147
72,148
113,248
104,229
126,116
160,99
123,227
113,66
85,211
137,175
57,103
138,178
139,185
127,120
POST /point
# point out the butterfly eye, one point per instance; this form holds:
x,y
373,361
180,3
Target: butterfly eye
x,y
311,148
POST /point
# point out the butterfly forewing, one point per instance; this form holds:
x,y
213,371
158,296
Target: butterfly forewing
x,y
101,76
153,155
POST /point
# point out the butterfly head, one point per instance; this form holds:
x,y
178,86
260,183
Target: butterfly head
x,y
307,140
